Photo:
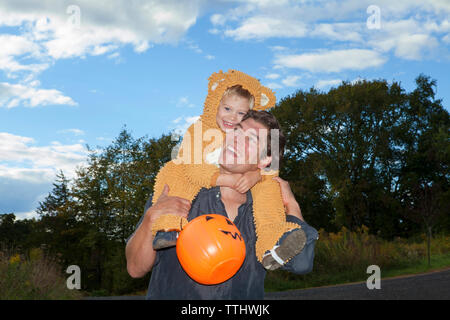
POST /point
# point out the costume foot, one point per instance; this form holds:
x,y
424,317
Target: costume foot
x,y
291,244
164,240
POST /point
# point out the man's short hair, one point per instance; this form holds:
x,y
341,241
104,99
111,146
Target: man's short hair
x,y
268,120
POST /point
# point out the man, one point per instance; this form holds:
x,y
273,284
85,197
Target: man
x,y
168,280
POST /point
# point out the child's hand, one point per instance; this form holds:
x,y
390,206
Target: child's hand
x,y
247,181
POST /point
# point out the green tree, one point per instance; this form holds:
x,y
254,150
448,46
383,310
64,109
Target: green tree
x,y
424,178
344,143
58,199
110,193
58,230
15,234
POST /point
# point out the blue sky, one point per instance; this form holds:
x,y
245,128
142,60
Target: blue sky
x,y
75,72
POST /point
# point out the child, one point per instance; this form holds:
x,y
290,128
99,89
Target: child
x,y
230,96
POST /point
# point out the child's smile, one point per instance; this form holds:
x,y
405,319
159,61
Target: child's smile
x,y
228,125
231,110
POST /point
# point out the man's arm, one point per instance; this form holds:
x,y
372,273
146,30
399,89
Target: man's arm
x,y
139,249
291,205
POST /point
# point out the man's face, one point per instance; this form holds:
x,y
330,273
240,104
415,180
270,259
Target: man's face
x,y
244,148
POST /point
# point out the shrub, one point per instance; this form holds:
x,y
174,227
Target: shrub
x,y
344,256
33,277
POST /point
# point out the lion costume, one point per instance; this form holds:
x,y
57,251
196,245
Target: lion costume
x,y
193,168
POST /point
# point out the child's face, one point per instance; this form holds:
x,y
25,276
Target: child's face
x,y
231,110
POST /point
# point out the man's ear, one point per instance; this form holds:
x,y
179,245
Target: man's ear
x,y
263,163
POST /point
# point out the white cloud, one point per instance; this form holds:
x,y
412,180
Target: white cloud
x,y
413,47
194,47
18,47
407,38
184,102
409,29
27,174
446,39
37,162
274,85
338,31
262,27
181,124
76,132
22,196
278,48
67,33
328,83
104,139
26,215
12,95
214,31
218,19
332,61
291,81
27,171
272,76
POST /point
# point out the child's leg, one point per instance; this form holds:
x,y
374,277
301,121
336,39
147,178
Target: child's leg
x,y
173,175
270,217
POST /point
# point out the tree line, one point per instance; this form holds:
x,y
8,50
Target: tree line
x,y
366,153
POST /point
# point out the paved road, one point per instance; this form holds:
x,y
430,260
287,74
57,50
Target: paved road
x,y
434,286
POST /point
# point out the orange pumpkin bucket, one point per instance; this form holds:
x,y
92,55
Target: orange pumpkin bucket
x,y
210,249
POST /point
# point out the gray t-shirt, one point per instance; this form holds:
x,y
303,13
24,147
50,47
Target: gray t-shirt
x,y
169,280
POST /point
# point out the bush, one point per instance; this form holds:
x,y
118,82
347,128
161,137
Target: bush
x,y
344,257
33,277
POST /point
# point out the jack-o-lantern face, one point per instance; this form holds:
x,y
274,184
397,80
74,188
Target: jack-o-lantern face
x,y
210,249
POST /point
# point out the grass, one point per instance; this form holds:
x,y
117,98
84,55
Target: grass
x,y
343,257
437,263
32,277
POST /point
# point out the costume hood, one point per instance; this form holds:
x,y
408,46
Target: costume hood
x,y
219,82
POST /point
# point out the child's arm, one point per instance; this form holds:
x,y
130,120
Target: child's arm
x,y
228,180
240,182
247,181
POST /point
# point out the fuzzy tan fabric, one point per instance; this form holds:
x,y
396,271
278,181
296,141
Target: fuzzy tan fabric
x,y
190,171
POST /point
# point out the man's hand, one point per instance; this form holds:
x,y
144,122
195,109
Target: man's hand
x,y
247,181
139,250
286,192
168,205
291,205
